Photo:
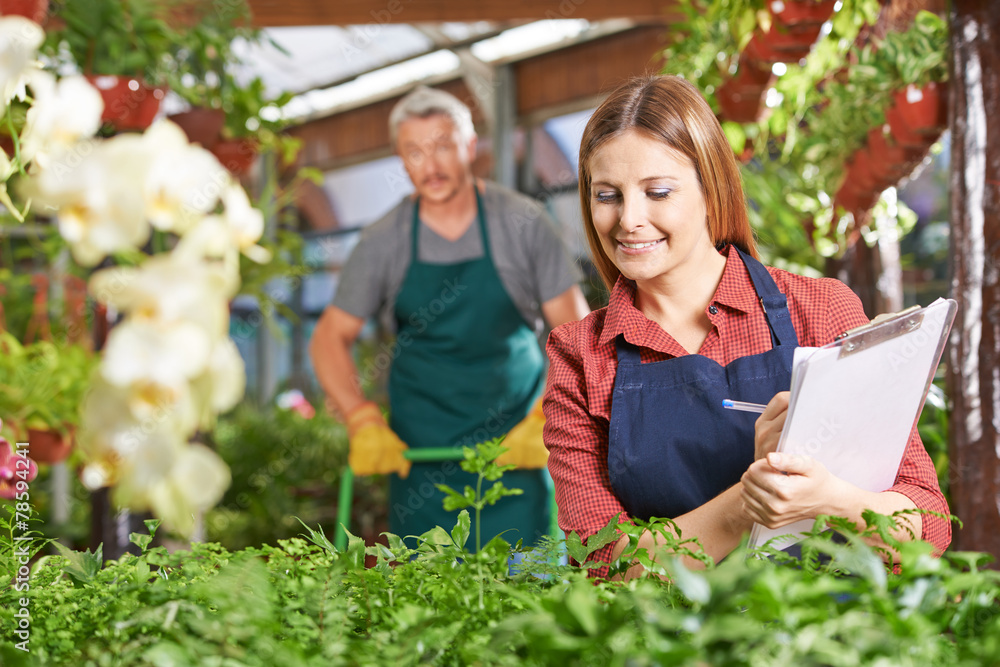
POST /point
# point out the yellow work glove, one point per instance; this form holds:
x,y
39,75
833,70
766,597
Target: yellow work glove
x,y
374,448
524,444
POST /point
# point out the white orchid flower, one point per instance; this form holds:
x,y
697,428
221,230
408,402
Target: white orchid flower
x,y
222,385
112,434
184,181
159,353
19,42
94,190
246,223
195,483
170,288
62,114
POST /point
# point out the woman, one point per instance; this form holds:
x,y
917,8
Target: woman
x,y
667,224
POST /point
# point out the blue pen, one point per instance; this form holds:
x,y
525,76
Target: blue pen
x,y
742,405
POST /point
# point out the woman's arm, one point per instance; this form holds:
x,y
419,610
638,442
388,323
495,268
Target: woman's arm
x,y
577,442
719,526
779,489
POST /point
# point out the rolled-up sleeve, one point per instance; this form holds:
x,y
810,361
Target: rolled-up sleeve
x,y
578,444
917,480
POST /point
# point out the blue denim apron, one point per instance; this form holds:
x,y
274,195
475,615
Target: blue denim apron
x,y
672,446
468,370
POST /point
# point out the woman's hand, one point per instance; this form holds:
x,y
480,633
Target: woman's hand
x,y
782,488
767,429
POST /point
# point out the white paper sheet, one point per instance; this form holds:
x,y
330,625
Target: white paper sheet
x,y
854,413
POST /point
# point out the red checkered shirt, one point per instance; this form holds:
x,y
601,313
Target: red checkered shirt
x,y
582,371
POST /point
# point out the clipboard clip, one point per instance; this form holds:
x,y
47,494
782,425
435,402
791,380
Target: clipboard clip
x,y
883,327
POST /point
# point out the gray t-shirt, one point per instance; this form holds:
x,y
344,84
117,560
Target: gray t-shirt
x,y
529,256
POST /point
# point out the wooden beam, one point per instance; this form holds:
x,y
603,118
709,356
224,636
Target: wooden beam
x,y
551,80
362,133
974,350
274,13
548,84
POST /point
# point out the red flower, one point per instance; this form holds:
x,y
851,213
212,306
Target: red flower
x,y
14,468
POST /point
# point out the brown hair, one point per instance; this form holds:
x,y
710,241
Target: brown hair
x,y
670,109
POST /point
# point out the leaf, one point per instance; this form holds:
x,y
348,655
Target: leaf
x,y
82,566
319,538
498,491
460,533
736,136
575,547
693,585
355,551
583,606
454,500
141,541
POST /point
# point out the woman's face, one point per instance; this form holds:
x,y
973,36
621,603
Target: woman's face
x,y
648,208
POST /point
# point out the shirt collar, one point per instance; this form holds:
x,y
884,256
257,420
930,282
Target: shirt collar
x,y
735,291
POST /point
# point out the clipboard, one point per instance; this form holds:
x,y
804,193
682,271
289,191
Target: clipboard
x,y
854,402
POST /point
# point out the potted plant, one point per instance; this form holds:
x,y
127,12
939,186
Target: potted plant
x,y
801,12
919,57
123,47
31,9
740,97
42,386
203,60
225,113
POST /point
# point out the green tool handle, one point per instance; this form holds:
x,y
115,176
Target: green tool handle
x,y
347,485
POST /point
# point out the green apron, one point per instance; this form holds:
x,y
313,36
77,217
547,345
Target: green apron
x,y
468,370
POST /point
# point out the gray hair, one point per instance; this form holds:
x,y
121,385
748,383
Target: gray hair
x,y
424,102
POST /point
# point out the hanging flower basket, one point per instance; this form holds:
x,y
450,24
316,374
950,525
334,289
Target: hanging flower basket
x,y
740,97
801,12
923,108
236,155
780,45
914,144
201,125
859,172
49,446
129,104
888,159
30,9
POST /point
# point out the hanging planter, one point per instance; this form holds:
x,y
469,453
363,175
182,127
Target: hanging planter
x,y
30,9
201,125
888,159
922,108
129,103
236,155
740,97
49,446
915,144
780,45
859,172
801,12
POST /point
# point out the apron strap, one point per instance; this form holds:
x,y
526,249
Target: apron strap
x,y
414,232
772,300
628,354
481,217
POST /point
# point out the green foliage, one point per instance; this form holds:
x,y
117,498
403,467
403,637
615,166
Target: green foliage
x,y
825,107
118,37
303,602
480,461
705,46
42,385
205,67
285,466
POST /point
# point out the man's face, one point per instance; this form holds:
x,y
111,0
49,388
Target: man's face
x,y
435,157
